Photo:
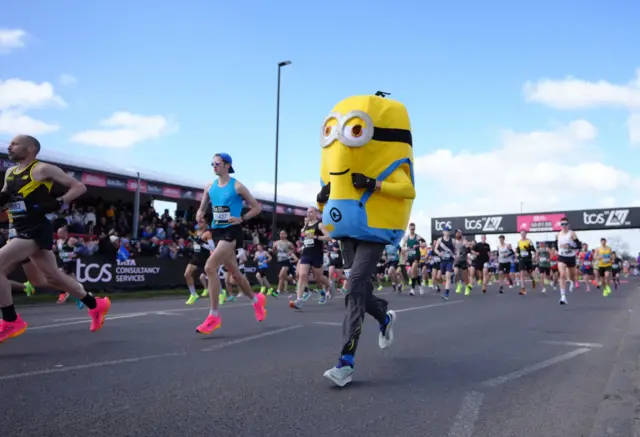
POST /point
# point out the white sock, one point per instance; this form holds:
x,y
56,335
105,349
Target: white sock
x,y
192,290
213,313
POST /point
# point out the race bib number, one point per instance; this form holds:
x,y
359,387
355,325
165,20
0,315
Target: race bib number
x,y
524,253
543,259
436,259
12,233
566,252
196,247
473,257
335,255
17,207
446,255
282,256
411,253
587,263
221,215
615,267
309,242
554,263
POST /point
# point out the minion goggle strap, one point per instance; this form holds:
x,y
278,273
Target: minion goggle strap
x,y
359,134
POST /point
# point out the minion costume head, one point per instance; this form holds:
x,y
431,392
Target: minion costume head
x,y
367,170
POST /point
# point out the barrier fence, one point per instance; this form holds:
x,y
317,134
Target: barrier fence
x,y
101,273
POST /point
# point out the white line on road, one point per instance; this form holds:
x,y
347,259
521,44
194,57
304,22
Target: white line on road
x,y
467,415
402,310
215,347
88,366
534,368
328,323
87,320
573,343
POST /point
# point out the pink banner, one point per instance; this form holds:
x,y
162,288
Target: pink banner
x,y
540,223
199,195
172,192
95,180
132,185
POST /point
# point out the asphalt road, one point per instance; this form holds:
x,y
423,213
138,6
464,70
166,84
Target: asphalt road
x,y
484,365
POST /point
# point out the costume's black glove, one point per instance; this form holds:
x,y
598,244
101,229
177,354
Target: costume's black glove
x,y
4,198
361,181
323,195
49,205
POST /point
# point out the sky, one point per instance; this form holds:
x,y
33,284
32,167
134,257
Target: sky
x,y
512,105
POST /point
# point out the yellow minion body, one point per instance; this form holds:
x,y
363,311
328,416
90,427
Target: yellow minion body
x,y
369,135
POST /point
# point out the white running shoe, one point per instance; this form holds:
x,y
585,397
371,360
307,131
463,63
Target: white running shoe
x,y
563,300
340,376
385,338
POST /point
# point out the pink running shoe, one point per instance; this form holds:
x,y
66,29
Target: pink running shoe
x,y
259,307
12,329
99,313
210,324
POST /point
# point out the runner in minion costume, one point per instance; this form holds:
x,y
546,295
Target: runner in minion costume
x,y
366,199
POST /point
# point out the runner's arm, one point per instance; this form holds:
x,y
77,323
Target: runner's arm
x,y
325,235
43,172
254,206
5,197
436,247
268,257
210,244
204,203
403,189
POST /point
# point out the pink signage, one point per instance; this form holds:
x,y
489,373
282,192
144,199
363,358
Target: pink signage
x,y
540,222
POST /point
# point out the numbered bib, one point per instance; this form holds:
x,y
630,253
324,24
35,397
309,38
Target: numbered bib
x,y
436,259
196,247
221,215
587,263
335,255
412,253
473,257
553,263
524,253
446,255
282,256
543,259
309,242
615,267
17,207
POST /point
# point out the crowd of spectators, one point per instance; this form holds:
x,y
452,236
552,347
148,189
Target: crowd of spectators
x,y
102,227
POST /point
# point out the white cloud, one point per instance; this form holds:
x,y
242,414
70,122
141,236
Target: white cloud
x,y
17,96
633,124
124,129
11,39
18,93
67,79
300,194
573,93
14,122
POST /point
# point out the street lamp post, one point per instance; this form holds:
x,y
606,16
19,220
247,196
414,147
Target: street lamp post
x,y
274,223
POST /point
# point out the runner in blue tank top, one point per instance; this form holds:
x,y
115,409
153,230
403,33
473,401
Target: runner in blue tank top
x,y
226,195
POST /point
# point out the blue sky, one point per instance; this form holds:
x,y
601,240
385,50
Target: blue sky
x,y
209,68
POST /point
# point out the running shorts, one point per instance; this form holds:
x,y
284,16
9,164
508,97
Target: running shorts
x,y
446,265
504,267
263,271
42,235
314,261
545,270
435,267
198,261
412,259
462,265
569,261
602,270
525,265
588,270
380,269
229,234
336,263
480,264
69,268
286,264
393,264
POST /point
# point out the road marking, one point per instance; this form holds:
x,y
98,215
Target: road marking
x,y
573,343
467,415
87,320
328,323
402,310
534,368
215,347
89,366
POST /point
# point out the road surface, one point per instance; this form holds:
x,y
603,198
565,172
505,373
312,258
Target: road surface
x,y
485,365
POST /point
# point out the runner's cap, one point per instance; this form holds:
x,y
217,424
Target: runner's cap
x,y
227,158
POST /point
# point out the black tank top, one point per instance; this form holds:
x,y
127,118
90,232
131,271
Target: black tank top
x,y
312,246
199,249
65,251
26,193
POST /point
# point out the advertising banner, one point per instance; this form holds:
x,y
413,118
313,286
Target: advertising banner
x,y
101,273
476,224
540,222
620,218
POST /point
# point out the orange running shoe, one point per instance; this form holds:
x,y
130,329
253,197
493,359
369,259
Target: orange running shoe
x,y
62,298
210,324
12,329
259,307
99,313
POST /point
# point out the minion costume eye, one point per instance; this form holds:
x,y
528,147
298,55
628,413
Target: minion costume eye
x,y
356,129
330,128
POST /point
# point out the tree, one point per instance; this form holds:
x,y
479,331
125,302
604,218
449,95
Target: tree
x,y
620,246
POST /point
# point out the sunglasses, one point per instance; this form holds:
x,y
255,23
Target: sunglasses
x,y
564,224
217,163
